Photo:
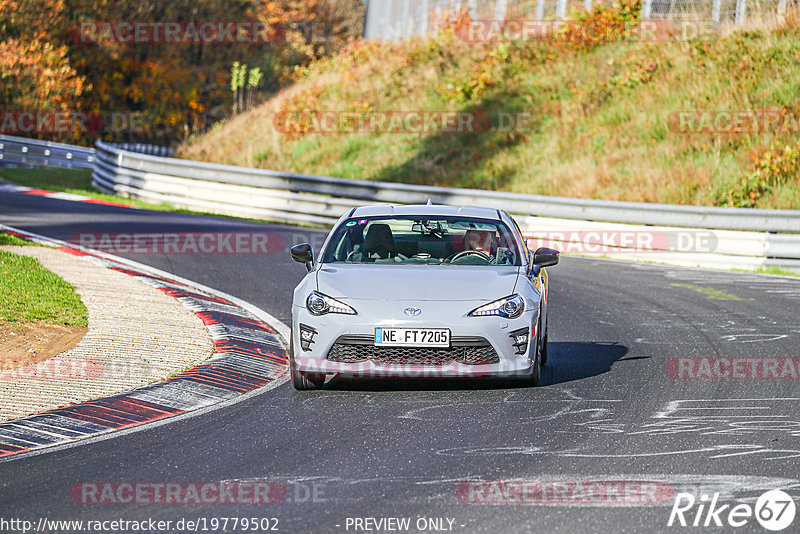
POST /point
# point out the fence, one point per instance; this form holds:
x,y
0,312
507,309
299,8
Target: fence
x,y
394,19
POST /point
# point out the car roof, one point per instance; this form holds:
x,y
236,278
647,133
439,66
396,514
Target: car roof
x,y
427,210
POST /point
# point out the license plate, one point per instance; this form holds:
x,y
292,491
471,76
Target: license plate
x,y
412,337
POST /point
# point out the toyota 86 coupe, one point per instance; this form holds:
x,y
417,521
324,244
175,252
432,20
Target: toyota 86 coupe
x,y
420,292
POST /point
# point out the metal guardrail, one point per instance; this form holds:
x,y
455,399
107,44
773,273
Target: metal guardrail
x,y
23,152
141,148
307,198
321,200
742,238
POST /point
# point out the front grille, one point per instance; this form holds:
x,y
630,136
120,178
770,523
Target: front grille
x,y
469,351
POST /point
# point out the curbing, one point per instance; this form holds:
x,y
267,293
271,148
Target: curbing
x,y
250,354
14,188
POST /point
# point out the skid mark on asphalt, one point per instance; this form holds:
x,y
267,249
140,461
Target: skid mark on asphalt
x,y
703,417
711,452
752,338
786,287
727,326
549,409
429,406
580,415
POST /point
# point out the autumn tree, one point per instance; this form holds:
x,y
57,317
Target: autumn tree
x,y
54,54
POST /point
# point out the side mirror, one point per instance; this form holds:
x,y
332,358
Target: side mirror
x,y
303,254
545,257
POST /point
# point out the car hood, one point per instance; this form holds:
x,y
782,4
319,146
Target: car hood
x,y
417,282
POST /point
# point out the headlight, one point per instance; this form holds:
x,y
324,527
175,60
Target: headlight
x,y
319,304
509,307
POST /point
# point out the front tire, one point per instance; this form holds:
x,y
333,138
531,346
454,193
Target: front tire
x,y
306,381
536,371
543,355
303,381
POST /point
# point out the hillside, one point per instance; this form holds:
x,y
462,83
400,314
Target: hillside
x,y
667,121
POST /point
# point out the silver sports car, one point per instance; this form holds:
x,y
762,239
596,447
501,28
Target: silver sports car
x,y
420,292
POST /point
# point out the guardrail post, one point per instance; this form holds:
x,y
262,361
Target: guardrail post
x,y
561,9
500,8
404,29
473,9
647,9
741,11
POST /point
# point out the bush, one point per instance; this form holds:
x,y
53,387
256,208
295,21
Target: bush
x,y
778,164
606,22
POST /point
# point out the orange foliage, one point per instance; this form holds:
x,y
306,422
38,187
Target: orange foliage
x,y
176,89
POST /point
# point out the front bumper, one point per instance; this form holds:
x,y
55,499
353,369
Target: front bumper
x,y
494,331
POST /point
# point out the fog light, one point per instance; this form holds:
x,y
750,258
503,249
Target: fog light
x,y
306,337
520,338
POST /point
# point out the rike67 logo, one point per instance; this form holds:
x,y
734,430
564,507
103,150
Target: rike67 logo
x,y
774,510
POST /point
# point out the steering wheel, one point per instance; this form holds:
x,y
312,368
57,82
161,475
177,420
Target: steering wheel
x,y
458,255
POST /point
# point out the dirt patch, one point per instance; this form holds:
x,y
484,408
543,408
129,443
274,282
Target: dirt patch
x,y
24,344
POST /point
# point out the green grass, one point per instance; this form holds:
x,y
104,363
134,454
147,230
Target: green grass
x,y
32,293
8,239
773,270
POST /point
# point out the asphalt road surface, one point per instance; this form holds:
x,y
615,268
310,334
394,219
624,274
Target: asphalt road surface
x,y
611,414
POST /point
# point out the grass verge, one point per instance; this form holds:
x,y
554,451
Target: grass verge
x,y
8,239
32,293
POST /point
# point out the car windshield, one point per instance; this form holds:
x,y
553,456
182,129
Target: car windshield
x,y
423,240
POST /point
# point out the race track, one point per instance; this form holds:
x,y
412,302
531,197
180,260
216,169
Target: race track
x,y
607,409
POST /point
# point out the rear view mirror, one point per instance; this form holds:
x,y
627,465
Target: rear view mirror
x,y
545,257
303,253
